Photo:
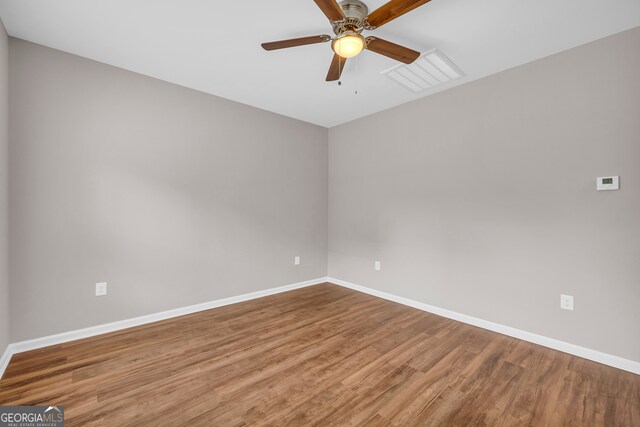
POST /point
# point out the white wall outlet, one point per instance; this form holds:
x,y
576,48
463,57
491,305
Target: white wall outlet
x,y
101,289
376,265
605,183
566,302
296,260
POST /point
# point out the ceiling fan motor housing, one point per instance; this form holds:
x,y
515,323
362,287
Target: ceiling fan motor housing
x,y
355,13
354,9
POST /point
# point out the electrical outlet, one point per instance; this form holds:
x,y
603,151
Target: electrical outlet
x,y
376,265
296,260
566,302
101,289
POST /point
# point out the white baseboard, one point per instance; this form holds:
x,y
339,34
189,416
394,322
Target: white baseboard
x,y
586,353
36,343
604,358
4,360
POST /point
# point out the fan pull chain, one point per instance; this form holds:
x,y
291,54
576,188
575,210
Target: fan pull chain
x,y
357,73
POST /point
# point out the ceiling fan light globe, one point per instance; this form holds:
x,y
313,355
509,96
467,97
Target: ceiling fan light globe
x,y
348,45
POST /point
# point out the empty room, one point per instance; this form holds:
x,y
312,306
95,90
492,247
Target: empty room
x,y
319,213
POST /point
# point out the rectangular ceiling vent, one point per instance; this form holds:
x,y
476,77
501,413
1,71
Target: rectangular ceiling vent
x,y
430,70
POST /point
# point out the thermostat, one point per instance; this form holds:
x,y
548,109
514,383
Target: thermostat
x,y
608,183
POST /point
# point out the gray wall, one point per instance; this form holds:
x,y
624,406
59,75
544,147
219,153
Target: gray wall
x,y
4,176
172,196
482,199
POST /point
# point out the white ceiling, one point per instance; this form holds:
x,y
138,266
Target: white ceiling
x,y
214,45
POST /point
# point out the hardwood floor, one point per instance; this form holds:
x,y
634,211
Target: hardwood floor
x,y
322,355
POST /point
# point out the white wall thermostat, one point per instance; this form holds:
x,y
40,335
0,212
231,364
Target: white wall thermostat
x,y
608,183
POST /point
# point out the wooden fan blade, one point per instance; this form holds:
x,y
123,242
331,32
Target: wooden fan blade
x,y
331,9
296,42
392,50
391,10
335,70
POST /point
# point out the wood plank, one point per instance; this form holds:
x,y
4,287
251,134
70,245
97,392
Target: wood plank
x,y
322,355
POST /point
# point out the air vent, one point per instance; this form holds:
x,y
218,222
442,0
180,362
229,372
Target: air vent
x,y
430,70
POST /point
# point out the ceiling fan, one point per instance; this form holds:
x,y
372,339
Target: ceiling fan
x,y
348,19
